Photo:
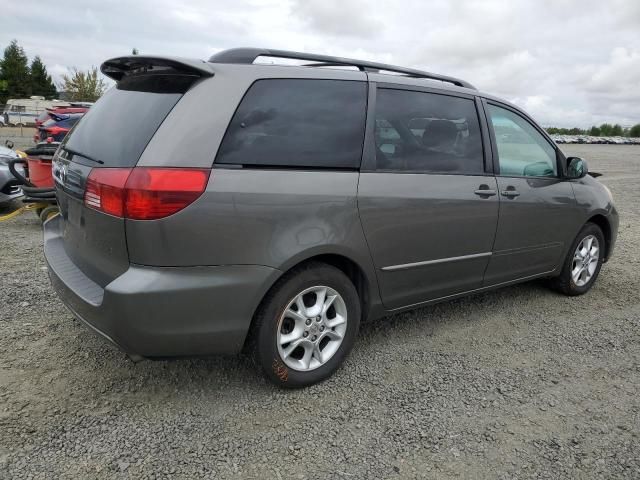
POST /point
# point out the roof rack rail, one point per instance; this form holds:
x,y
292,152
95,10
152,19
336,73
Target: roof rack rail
x,y
249,55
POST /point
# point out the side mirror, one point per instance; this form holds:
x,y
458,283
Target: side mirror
x,y
576,168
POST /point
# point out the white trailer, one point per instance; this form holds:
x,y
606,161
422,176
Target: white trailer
x,y
24,111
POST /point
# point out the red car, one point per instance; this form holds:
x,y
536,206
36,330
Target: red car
x,y
57,127
52,113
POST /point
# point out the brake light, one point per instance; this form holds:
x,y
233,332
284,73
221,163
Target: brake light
x,y
55,130
144,193
105,190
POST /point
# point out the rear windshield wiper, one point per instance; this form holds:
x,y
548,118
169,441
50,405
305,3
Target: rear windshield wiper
x,y
75,152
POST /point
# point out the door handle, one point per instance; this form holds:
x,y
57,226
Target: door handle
x,y
485,192
510,192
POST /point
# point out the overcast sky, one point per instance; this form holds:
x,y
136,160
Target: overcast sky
x,y
567,62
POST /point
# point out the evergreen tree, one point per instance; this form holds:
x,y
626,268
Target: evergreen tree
x,y
41,83
635,131
616,130
15,78
605,129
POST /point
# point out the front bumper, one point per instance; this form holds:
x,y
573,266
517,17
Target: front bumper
x,y
614,221
162,311
8,183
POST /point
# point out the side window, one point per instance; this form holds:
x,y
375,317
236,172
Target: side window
x,y
427,133
522,150
18,108
298,123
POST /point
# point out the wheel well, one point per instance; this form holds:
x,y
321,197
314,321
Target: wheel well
x,y
351,270
603,223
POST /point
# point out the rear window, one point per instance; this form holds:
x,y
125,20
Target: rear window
x,y
119,126
298,123
64,123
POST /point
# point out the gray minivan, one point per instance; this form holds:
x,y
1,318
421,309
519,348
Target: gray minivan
x,y
211,207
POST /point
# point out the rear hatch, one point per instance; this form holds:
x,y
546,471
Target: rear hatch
x,y
107,143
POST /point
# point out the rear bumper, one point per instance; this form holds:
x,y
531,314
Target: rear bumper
x,y
162,311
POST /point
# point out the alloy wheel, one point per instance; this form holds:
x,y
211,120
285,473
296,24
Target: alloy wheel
x,y
312,328
585,260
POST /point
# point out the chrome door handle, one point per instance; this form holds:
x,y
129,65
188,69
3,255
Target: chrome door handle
x,y
485,193
510,193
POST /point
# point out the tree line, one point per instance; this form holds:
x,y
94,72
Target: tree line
x,y
21,79
604,130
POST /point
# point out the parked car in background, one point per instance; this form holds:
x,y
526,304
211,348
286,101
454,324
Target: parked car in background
x,y
560,139
46,115
9,185
235,205
57,127
25,111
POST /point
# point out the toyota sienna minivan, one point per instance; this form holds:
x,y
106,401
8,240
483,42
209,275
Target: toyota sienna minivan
x,y
227,205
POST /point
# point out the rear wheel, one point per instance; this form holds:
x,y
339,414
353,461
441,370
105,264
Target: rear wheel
x,y
306,325
583,262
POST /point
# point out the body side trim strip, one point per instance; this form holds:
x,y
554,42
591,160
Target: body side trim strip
x,y
405,266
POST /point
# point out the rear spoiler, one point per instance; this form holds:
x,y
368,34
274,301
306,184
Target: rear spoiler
x,y
58,116
117,68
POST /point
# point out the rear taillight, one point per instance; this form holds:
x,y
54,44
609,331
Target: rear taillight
x,y
144,193
105,190
159,192
55,130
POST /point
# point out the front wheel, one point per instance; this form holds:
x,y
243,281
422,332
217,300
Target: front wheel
x,y
583,262
306,326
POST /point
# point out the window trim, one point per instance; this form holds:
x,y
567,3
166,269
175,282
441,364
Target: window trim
x,y
369,165
237,166
494,145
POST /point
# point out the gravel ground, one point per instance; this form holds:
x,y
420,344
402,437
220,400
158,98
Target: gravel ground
x,y
518,383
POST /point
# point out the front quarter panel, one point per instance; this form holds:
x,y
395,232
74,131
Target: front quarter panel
x,y
593,198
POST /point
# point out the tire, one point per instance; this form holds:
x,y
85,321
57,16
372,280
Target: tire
x,y
279,317
48,212
566,282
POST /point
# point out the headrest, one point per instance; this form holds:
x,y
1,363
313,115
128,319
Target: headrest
x,y
440,133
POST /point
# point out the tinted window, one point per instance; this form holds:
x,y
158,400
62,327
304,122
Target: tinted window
x,y
118,127
425,132
72,121
64,123
522,150
299,123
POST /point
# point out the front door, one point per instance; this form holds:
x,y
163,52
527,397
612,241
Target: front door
x,y
428,209
536,205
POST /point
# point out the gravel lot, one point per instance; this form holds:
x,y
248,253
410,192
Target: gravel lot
x,y
518,383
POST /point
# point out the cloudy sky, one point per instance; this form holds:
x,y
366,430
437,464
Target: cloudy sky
x,y
567,62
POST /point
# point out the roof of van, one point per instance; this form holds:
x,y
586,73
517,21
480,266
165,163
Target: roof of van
x,y
117,68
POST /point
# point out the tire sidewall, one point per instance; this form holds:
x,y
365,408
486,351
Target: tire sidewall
x,y
589,229
267,349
